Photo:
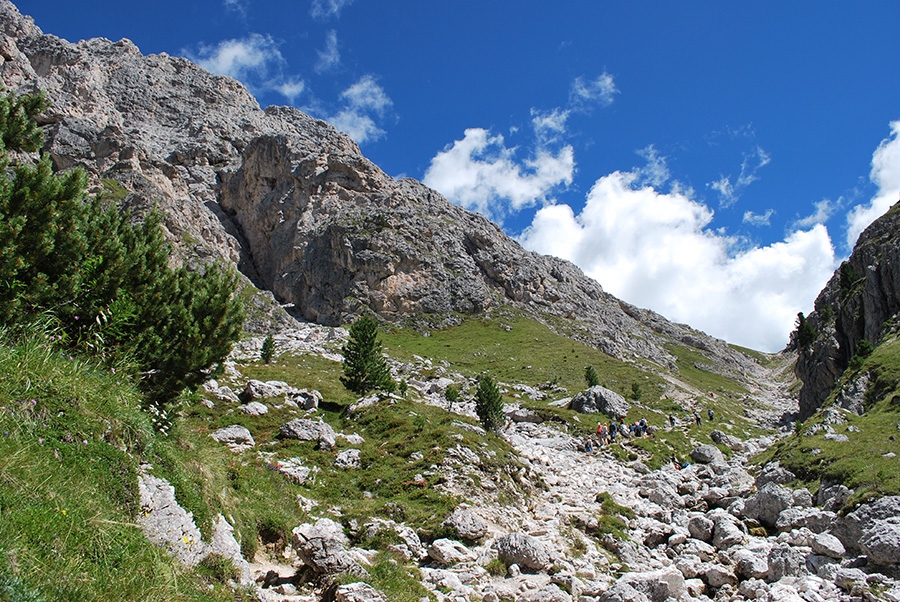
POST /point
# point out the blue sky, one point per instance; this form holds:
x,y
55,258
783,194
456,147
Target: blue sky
x,y
713,161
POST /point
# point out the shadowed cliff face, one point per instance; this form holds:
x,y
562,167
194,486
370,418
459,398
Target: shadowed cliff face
x,y
294,204
858,303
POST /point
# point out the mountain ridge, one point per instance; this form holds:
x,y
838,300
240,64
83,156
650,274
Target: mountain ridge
x,y
327,231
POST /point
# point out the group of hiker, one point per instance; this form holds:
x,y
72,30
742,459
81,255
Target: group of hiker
x,y
607,434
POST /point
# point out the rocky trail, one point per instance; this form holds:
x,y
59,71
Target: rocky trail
x,y
708,531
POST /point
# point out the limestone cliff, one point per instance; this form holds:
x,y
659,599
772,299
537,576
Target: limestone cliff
x,y
859,303
296,206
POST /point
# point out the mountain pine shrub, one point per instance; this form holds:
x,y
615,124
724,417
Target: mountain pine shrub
x,y
105,281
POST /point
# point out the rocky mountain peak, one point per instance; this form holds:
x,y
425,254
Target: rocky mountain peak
x,y
858,304
294,203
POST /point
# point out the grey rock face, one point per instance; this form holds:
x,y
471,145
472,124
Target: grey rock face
x,y
863,294
600,399
294,204
166,523
750,564
524,551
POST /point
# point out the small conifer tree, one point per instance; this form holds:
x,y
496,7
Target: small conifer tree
x,y
591,377
268,349
451,394
489,404
365,368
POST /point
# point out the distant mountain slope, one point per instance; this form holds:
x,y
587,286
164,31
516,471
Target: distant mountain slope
x,y
859,303
294,204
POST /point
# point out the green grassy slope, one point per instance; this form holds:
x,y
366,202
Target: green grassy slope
x,y
72,436
869,461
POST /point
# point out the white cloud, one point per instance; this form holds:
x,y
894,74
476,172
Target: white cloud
x,y
824,209
480,173
549,126
325,9
601,90
656,172
655,250
238,6
330,57
758,219
366,94
291,89
729,192
360,101
886,175
240,58
254,60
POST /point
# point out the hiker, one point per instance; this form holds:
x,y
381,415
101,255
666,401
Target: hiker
x,y
644,428
672,420
709,413
588,446
601,434
696,416
612,431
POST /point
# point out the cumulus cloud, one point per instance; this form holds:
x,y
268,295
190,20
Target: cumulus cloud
x,y
656,250
480,173
330,57
758,219
824,209
730,192
600,90
326,9
361,101
885,175
254,60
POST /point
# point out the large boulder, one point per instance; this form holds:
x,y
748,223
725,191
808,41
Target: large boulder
x,y
323,550
448,552
786,561
881,541
236,437
767,503
600,399
658,586
707,454
524,550
468,525
307,430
